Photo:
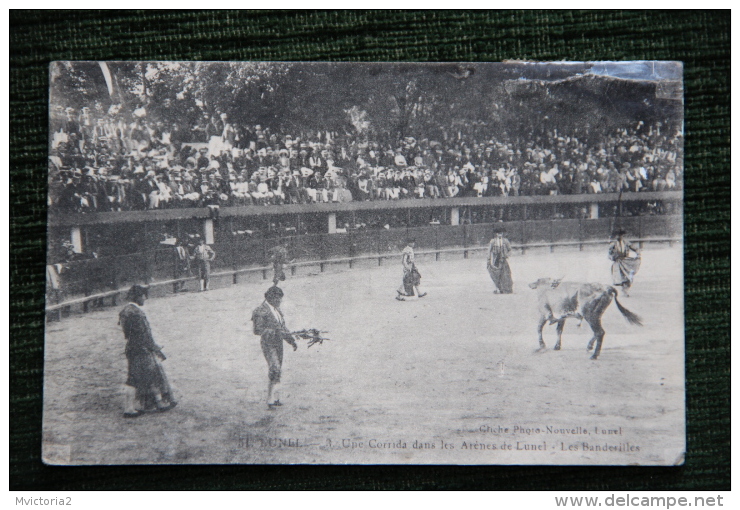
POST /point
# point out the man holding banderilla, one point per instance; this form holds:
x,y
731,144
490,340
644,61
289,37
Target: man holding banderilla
x,y
269,323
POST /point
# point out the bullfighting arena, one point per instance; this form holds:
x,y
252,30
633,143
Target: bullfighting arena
x,y
453,378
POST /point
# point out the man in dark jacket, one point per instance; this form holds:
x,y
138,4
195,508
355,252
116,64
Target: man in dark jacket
x,y
269,323
147,388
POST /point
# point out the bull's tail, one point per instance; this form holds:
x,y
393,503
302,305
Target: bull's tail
x,y
632,318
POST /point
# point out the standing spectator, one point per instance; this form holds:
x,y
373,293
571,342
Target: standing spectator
x,y
229,134
71,128
214,132
182,265
139,136
100,134
203,257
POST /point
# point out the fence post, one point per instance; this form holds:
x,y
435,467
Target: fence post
x,y
148,266
351,241
76,239
523,236
87,292
436,243
234,250
323,248
292,251
552,236
208,230
594,213
176,268
454,216
465,240
377,247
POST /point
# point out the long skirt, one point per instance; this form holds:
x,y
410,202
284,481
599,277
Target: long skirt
x,y
625,269
411,279
146,375
501,276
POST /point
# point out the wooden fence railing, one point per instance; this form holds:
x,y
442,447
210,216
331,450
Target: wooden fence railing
x,y
321,264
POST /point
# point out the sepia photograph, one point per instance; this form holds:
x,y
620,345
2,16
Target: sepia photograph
x,y
365,263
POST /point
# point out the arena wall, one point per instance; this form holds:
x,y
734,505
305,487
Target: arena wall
x,y
243,257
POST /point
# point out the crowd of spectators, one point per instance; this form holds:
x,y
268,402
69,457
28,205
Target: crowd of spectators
x,y
117,162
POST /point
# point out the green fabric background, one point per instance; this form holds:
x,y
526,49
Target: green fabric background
x,y
700,39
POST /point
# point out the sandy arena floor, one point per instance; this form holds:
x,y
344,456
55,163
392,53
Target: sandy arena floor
x,y
451,378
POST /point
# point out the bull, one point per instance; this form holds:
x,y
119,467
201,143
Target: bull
x,y
560,300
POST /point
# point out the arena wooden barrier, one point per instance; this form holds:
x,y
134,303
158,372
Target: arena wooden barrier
x,y
349,260
243,250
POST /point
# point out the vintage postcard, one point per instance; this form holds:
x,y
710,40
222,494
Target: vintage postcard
x,y
365,263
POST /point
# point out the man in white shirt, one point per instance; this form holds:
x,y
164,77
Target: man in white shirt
x,y
203,256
